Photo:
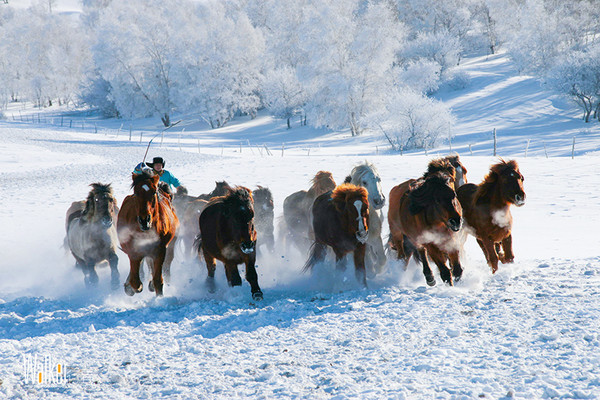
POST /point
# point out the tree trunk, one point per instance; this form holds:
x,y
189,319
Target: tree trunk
x,y
166,120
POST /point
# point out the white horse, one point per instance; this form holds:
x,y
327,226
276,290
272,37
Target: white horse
x,y
91,233
366,175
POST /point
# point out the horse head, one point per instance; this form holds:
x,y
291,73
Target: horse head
x,y
145,189
509,180
366,175
239,211
322,183
263,201
436,198
353,203
100,205
461,171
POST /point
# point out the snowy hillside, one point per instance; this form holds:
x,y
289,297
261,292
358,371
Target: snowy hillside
x,y
530,331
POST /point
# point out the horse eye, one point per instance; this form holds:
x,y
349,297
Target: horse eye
x,y
364,182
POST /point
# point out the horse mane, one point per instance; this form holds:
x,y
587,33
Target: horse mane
x,y
97,188
488,185
441,165
346,192
181,191
262,193
321,183
237,195
141,177
421,191
359,171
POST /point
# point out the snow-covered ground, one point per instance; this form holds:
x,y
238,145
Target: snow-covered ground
x,y
529,331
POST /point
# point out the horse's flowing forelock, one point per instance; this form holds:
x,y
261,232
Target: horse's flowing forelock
x,y
443,165
348,192
490,181
262,193
236,196
97,189
139,178
359,171
424,191
322,183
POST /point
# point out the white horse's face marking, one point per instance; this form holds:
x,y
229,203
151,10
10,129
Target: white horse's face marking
x,y
460,176
361,234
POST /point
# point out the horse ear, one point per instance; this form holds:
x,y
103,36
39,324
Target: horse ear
x,y
348,179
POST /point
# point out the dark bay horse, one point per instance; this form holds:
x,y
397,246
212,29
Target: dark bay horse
x,y
487,210
341,221
264,215
227,234
296,227
91,234
424,221
146,226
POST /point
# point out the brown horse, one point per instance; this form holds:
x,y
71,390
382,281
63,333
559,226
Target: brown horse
x,y
449,166
227,234
264,216
91,234
487,210
424,221
341,220
146,226
297,211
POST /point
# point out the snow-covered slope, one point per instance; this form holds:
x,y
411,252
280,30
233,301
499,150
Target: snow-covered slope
x,y
530,331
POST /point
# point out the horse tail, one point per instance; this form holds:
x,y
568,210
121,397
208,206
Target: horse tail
x,y
317,254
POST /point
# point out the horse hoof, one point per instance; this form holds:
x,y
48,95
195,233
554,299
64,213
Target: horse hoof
x,y
151,286
129,290
210,284
430,280
257,296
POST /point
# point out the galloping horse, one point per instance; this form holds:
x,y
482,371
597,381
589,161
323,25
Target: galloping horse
x,y
297,227
366,175
227,234
91,233
487,210
424,221
264,216
341,220
146,226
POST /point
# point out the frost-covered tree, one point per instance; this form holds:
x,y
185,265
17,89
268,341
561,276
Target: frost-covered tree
x,y
283,93
440,47
352,53
411,120
578,76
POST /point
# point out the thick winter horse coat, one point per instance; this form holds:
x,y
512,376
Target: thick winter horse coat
x,y
91,233
366,175
341,221
146,227
487,210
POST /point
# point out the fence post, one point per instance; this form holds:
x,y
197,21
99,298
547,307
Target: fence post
x,y
221,150
130,133
240,147
70,124
573,150
527,147
494,142
95,128
545,151
179,139
141,134
282,148
198,146
470,149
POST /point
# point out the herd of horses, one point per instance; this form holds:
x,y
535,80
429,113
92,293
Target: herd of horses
x,y
429,219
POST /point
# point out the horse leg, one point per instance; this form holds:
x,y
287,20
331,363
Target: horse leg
x,y
429,278
499,250
233,274
439,258
115,278
490,252
157,279
359,264
397,243
133,284
457,269
340,260
211,266
252,277
91,277
170,255
508,256
378,253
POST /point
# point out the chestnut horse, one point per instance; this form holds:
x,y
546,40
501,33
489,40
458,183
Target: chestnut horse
x,y
91,234
341,220
227,234
487,210
264,216
296,227
424,221
146,226
449,166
